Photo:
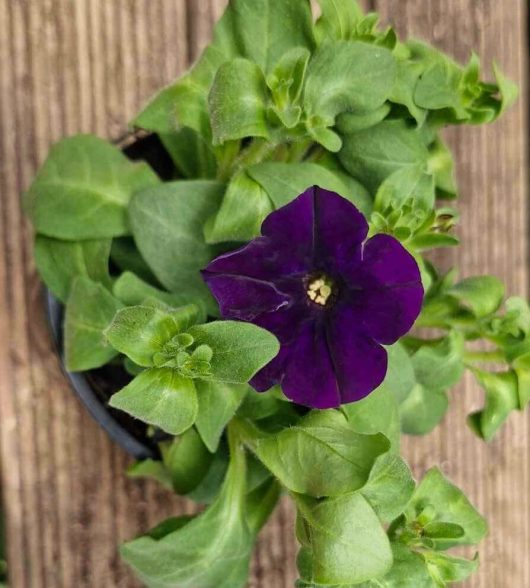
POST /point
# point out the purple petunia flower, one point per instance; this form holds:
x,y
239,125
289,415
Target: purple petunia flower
x,y
331,299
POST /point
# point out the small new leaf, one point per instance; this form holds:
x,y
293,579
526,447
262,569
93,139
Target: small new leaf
x,y
239,349
160,397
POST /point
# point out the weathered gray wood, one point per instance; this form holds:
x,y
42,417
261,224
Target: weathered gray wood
x,y
87,66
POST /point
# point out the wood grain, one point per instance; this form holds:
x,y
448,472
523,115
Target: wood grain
x,y
87,66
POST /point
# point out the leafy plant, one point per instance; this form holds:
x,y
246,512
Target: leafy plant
x,y
346,105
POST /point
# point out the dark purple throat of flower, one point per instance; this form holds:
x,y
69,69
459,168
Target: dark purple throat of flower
x,y
331,297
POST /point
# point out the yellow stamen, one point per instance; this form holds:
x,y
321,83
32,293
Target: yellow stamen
x,y
319,291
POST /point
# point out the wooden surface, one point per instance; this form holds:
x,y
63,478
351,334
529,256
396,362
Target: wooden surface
x,y
87,65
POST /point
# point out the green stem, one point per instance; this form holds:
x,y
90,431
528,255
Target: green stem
x,y
490,356
235,483
299,150
316,154
226,154
260,513
247,431
258,151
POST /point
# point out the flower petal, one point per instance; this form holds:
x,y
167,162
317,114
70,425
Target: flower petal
x,y
359,363
340,230
386,291
291,228
262,259
321,228
308,376
244,298
285,324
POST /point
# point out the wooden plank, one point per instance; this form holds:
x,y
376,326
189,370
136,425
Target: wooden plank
x,y
492,174
87,66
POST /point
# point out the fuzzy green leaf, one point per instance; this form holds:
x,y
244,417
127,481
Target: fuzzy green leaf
x,y
368,83
245,206
83,189
438,500
340,459
240,349
218,403
89,311
160,397
60,262
167,224
140,332
344,538
501,399
374,154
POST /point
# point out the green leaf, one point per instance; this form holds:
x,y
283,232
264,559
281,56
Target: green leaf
x,y
322,455
407,74
408,571
374,154
193,156
89,311
422,410
438,500
338,19
389,487
437,368
125,255
245,206
410,184
286,82
329,139
439,87
501,399
132,291
368,84
211,551
83,189
160,397
351,122
483,295
285,181
238,102
187,461
265,30
508,90
240,349
152,469
441,165
377,413
140,332
400,377
208,490
446,569
218,403
440,366
167,224
60,262
345,539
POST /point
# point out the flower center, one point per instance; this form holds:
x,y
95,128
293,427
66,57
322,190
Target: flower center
x,y
320,289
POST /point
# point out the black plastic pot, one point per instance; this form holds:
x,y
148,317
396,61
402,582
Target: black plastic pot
x,y
95,387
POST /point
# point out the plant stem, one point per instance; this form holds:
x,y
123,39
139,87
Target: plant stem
x,y
299,150
247,431
258,151
489,356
